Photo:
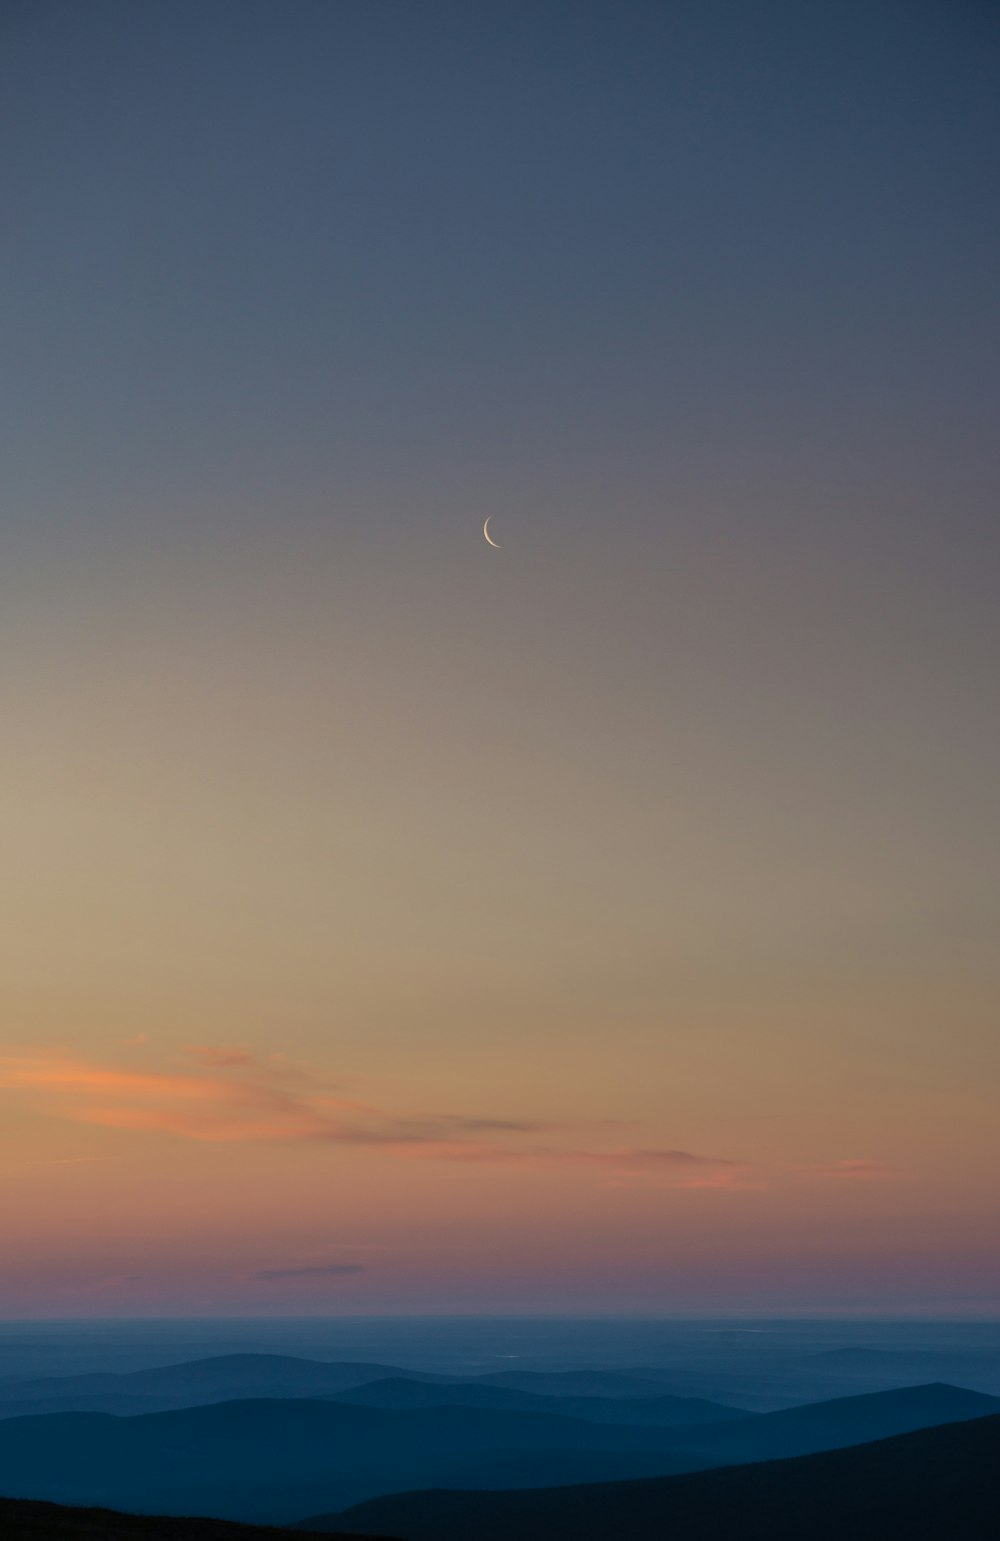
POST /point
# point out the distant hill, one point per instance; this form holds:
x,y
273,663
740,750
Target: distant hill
x,y
194,1383
271,1461
854,1355
842,1421
250,1376
586,1394
851,1356
875,1368
122,1406
937,1484
577,1383
24,1521
658,1411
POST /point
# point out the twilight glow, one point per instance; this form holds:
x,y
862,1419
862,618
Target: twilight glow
x,y
606,922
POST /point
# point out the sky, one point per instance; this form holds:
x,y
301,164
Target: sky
x,y
607,922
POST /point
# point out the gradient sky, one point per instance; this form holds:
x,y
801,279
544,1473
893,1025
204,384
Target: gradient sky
x,y
608,922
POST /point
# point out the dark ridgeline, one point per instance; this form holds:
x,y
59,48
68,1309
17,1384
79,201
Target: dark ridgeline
x,y
940,1484
23,1520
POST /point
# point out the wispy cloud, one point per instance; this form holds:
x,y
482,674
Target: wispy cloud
x,y
226,1099
854,1169
682,1168
220,1055
234,1096
310,1271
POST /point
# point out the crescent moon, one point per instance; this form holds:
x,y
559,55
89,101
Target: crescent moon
x,y
486,532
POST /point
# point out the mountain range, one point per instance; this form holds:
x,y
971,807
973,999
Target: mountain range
x,y
225,1377
193,1383
269,1461
273,1460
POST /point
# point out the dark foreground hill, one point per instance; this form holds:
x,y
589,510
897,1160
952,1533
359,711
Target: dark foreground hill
x,y
935,1485
25,1521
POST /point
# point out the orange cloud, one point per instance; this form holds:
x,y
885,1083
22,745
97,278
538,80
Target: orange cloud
x,y
237,1097
233,1096
255,1105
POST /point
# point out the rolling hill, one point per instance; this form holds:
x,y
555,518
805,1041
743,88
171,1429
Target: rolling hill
x,y
937,1484
270,1461
829,1425
192,1384
234,1375
597,1395
657,1411
578,1383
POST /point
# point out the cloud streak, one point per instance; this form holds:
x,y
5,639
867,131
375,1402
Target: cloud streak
x,y
234,1096
854,1170
679,1168
227,1095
